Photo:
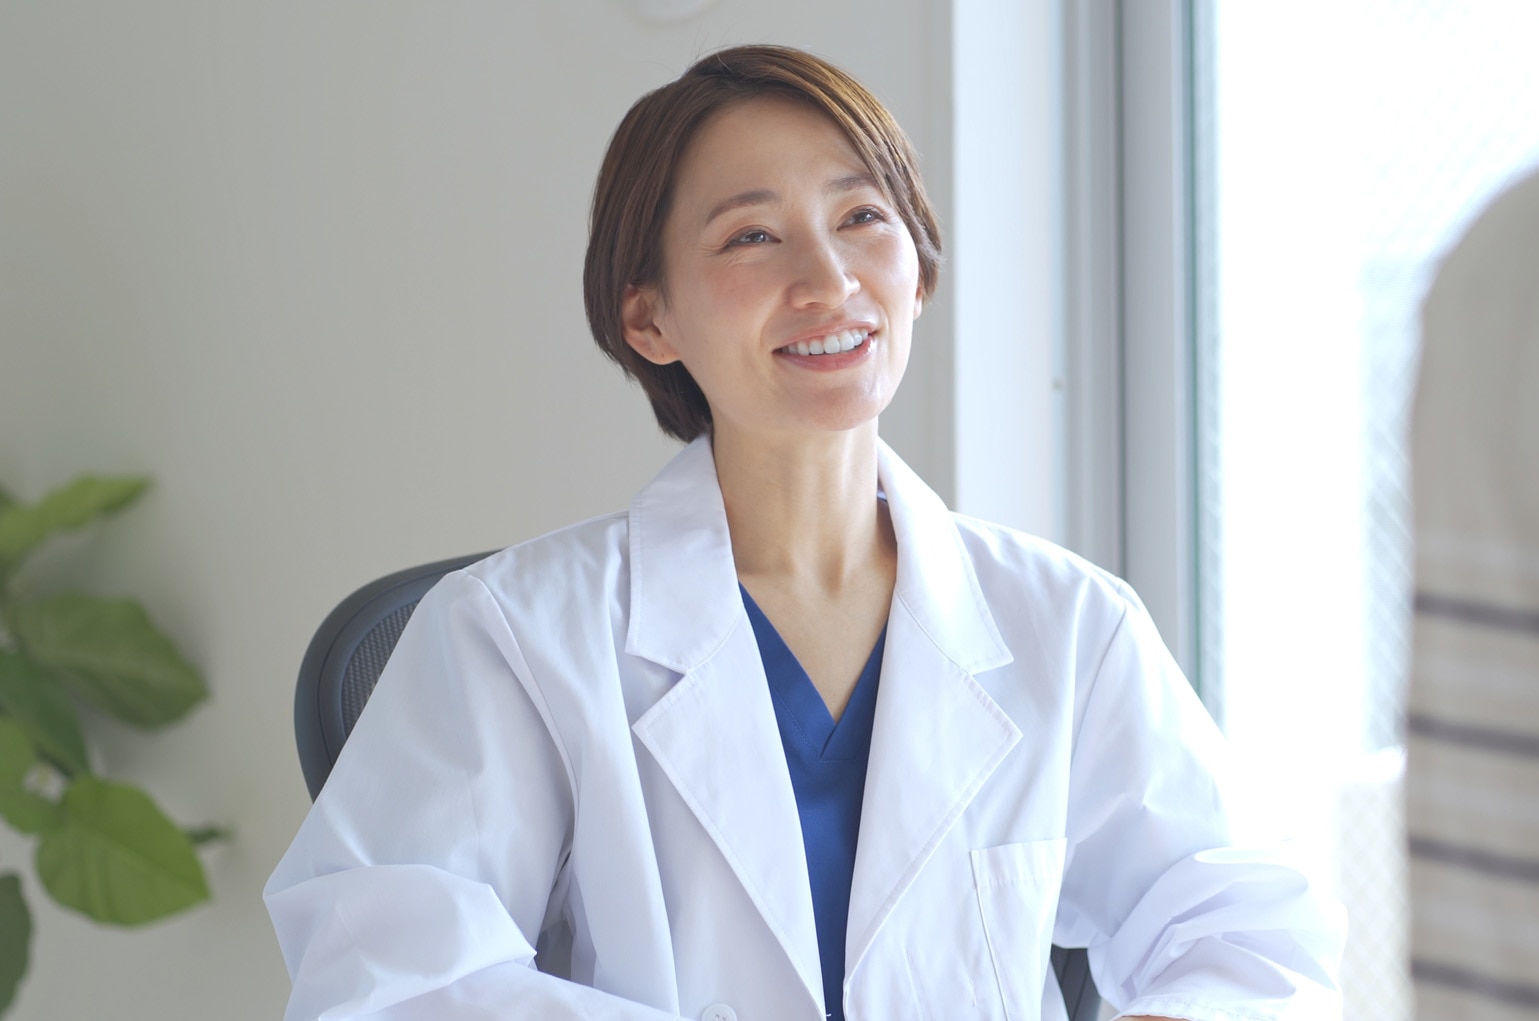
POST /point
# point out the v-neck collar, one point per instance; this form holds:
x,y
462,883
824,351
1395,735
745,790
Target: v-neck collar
x,y
798,702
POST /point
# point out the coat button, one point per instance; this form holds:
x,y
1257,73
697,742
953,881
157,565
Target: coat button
x,y
718,1012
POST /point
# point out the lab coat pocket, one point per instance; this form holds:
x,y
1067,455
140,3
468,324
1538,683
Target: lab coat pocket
x,y
1017,887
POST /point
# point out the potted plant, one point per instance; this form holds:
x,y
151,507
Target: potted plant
x,y
103,849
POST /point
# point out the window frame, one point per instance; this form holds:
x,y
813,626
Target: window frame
x,y
1129,344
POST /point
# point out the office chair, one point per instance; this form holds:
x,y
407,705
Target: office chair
x,y
348,652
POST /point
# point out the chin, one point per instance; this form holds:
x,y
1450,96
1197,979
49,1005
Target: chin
x,y
843,420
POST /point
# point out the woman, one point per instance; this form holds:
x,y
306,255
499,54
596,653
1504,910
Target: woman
x,y
787,739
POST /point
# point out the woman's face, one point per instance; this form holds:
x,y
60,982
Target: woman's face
x,y
779,244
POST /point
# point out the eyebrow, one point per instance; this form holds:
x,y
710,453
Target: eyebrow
x,y
764,196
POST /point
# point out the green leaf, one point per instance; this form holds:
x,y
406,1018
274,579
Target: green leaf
x,y
110,653
40,706
117,858
25,811
15,937
211,834
16,754
24,527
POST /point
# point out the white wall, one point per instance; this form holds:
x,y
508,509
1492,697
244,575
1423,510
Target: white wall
x,y
1007,271
316,268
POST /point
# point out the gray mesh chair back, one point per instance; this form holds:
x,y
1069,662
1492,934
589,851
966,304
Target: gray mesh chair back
x,y
350,649
346,657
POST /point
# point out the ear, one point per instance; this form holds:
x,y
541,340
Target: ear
x,y
639,307
919,301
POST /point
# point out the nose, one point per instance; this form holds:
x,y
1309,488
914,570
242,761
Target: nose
x,y
823,276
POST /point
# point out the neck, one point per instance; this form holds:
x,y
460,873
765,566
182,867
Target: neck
x,y
804,513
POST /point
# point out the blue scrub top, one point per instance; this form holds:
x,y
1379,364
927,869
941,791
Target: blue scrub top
x,y
827,761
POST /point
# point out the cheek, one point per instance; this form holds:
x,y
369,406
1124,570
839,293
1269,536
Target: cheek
x,y
737,290
717,294
913,259
902,255
904,273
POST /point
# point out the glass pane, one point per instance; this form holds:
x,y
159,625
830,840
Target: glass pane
x,y
1339,150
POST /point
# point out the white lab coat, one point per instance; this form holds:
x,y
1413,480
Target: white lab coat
x,y
575,738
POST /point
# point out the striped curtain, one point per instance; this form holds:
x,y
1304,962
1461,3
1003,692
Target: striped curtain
x,y
1472,778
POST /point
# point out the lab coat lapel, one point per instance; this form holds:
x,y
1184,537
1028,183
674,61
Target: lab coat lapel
x,y
714,733
937,735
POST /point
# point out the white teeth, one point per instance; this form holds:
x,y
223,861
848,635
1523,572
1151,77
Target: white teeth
x,y
834,343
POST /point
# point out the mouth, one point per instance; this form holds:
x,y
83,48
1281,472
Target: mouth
x,y
833,344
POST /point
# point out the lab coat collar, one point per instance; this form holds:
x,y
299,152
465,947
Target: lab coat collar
x,y
937,738
936,582
714,733
684,598
938,735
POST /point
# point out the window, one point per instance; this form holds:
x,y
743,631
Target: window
x,y
1243,297
1337,151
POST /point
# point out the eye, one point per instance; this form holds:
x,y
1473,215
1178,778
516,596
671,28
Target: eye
x,y
867,214
751,237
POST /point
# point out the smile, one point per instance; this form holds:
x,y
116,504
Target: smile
x,y
834,343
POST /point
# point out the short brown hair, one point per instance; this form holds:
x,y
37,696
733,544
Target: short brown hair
x,y
635,189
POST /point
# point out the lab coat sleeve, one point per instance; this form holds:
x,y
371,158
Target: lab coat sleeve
x,y
1181,919
418,884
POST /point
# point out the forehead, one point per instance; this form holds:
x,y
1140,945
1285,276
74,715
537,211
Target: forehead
x,y
768,143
